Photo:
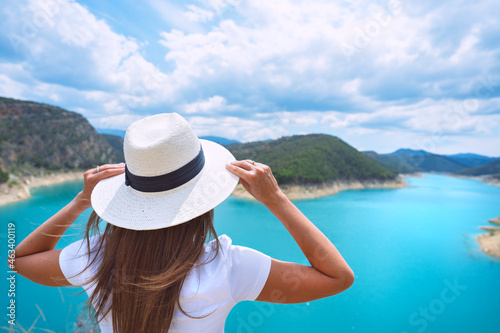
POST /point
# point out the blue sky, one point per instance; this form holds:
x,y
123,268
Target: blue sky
x,y
381,75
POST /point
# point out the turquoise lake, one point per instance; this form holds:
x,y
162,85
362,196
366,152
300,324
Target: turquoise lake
x,y
413,250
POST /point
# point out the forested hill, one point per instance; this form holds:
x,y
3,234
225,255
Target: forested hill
x,y
488,169
408,161
312,159
35,136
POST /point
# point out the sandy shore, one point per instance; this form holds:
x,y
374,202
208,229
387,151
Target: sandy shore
x,y
492,181
490,242
412,175
296,192
21,190
495,221
487,179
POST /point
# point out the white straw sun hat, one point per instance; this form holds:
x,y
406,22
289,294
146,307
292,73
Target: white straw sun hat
x,y
171,176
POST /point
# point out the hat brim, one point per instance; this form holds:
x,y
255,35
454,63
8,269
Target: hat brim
x,y
128,208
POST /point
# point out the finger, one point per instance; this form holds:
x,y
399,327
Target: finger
x,y
111,166
91,179
237,170
109,172
259,165
245,164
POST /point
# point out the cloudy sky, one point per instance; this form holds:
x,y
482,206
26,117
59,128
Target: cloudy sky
x,y
381,75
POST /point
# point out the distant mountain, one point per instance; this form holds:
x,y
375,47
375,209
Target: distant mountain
x,y
473,160
36,136
409,160
111,131
219,140
410,152
488,169
121,133
430,162
470,155
312,159
116,142
391,162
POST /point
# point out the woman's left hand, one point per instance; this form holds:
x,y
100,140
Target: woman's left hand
x,y
92,177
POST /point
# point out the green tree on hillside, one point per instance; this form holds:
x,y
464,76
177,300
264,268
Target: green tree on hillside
x,y
312,159
4,177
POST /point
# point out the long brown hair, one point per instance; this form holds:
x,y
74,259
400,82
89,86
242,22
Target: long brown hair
x,y
140,273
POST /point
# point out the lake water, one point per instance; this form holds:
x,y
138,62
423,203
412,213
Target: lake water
x,y
414,253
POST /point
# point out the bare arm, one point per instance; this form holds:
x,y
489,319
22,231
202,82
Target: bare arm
x,y
288,282
35,257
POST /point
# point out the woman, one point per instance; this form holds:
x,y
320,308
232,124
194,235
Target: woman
x,y
151,269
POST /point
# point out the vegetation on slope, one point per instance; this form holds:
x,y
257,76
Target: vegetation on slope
x,y
312,159
473,160
4,176
408,161
488,169
392,163
424,161
36,136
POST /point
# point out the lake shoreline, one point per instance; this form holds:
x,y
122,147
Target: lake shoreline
x,y
20,188
304,192
490,242
488,179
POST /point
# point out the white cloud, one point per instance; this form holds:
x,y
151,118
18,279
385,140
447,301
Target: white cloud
x,y
175,16
120,121
219,5
198,14
467,46
236,128
292,50
70,49
212,105
262,69
11,88
286,118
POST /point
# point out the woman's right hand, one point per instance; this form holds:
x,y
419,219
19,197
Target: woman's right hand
x,y
258,180
291,282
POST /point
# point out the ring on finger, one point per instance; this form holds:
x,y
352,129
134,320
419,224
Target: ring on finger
x,y
97,169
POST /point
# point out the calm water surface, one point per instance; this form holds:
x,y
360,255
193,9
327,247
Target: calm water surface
x,y
417,264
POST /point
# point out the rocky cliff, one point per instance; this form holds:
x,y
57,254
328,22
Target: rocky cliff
x,y
35,136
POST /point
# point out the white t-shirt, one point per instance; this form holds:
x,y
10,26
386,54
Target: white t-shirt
x,y
237,274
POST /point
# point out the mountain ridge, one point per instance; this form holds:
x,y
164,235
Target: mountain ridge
x,y
406,160
312,159
40,138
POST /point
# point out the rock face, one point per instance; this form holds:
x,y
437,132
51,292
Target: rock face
x,y
36,136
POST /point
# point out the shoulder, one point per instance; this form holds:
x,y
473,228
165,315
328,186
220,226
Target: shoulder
x,y
247,269
79,248
225,245
74,258
225,242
